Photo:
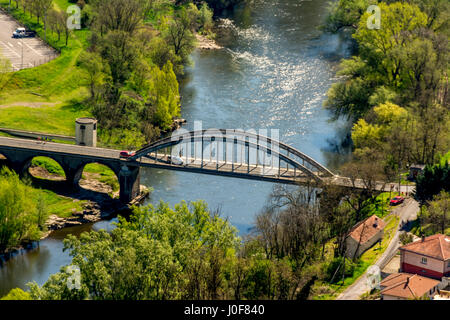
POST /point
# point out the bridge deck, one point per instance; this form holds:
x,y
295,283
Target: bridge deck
x,y
258,172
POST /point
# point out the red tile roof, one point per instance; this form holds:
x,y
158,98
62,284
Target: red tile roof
x,y
436,246
409,286
368,227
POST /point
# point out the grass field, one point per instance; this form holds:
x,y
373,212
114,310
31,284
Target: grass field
x,y
57,205
59,82
49,98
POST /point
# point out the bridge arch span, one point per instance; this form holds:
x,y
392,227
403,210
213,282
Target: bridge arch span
x,y
108,174
54,169
254,152
74,171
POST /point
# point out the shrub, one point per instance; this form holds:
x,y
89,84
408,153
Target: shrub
x,y
335,267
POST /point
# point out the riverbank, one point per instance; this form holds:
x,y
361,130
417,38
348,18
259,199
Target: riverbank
x,y
102,208
99,207
205,43
270,77
99,198
93,201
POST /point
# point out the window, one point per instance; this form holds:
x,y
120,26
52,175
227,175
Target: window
x,y
424,260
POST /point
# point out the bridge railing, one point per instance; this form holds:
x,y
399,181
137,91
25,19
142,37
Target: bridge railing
x,y
223,146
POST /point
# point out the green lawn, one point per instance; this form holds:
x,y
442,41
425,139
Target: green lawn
x,y
59,82
51,119
58,205
48,164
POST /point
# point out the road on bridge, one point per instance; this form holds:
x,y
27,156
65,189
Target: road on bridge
x,y
252,171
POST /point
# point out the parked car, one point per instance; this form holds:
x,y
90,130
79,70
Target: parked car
x,y
175,160
127,154
23,33
396,200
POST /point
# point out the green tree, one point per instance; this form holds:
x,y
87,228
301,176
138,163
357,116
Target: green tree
x,y
17,212
438,212
179,33
92,63
151,256
17,294
118,15
433,180
346,14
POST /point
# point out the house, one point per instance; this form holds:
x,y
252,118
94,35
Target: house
x,y
406,286
429,256
415,170
364,235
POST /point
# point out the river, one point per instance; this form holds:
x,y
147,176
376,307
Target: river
x,y
273,73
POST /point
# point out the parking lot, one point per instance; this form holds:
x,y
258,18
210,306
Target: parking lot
x,y
22,53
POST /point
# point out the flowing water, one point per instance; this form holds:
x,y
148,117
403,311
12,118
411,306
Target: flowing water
x,y
273,73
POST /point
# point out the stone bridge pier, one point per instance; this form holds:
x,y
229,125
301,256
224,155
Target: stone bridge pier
x,y
128,174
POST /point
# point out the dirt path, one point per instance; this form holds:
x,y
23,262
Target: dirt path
x,y
406,212
28,104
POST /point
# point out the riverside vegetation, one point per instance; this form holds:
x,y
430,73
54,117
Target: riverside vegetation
x,y
395,91
120,67
190,252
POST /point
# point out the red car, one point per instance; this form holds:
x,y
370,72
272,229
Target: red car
x,y
396,200
127,154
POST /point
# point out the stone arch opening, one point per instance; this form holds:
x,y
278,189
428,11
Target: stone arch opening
x,y
45,168
98,177
3,160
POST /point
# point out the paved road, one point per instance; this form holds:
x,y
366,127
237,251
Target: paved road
x,y
35,51
51,147
195,165
406,212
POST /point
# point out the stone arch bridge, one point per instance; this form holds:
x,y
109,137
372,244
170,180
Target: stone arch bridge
x,y
231,153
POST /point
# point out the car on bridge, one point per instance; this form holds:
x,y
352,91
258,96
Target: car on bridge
x,y
175,160
127,154
23,33
396,200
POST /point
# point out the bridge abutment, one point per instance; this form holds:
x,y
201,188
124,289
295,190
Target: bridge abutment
x,y
127,173
129,180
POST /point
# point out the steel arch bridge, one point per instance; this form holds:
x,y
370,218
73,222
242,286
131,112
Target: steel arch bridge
x,y
231,152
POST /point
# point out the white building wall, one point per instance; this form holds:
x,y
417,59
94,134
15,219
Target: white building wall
x,y
416,260
352,244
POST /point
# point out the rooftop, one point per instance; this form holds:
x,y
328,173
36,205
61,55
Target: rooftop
x,y
86,120
406,285
368,227
436,246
